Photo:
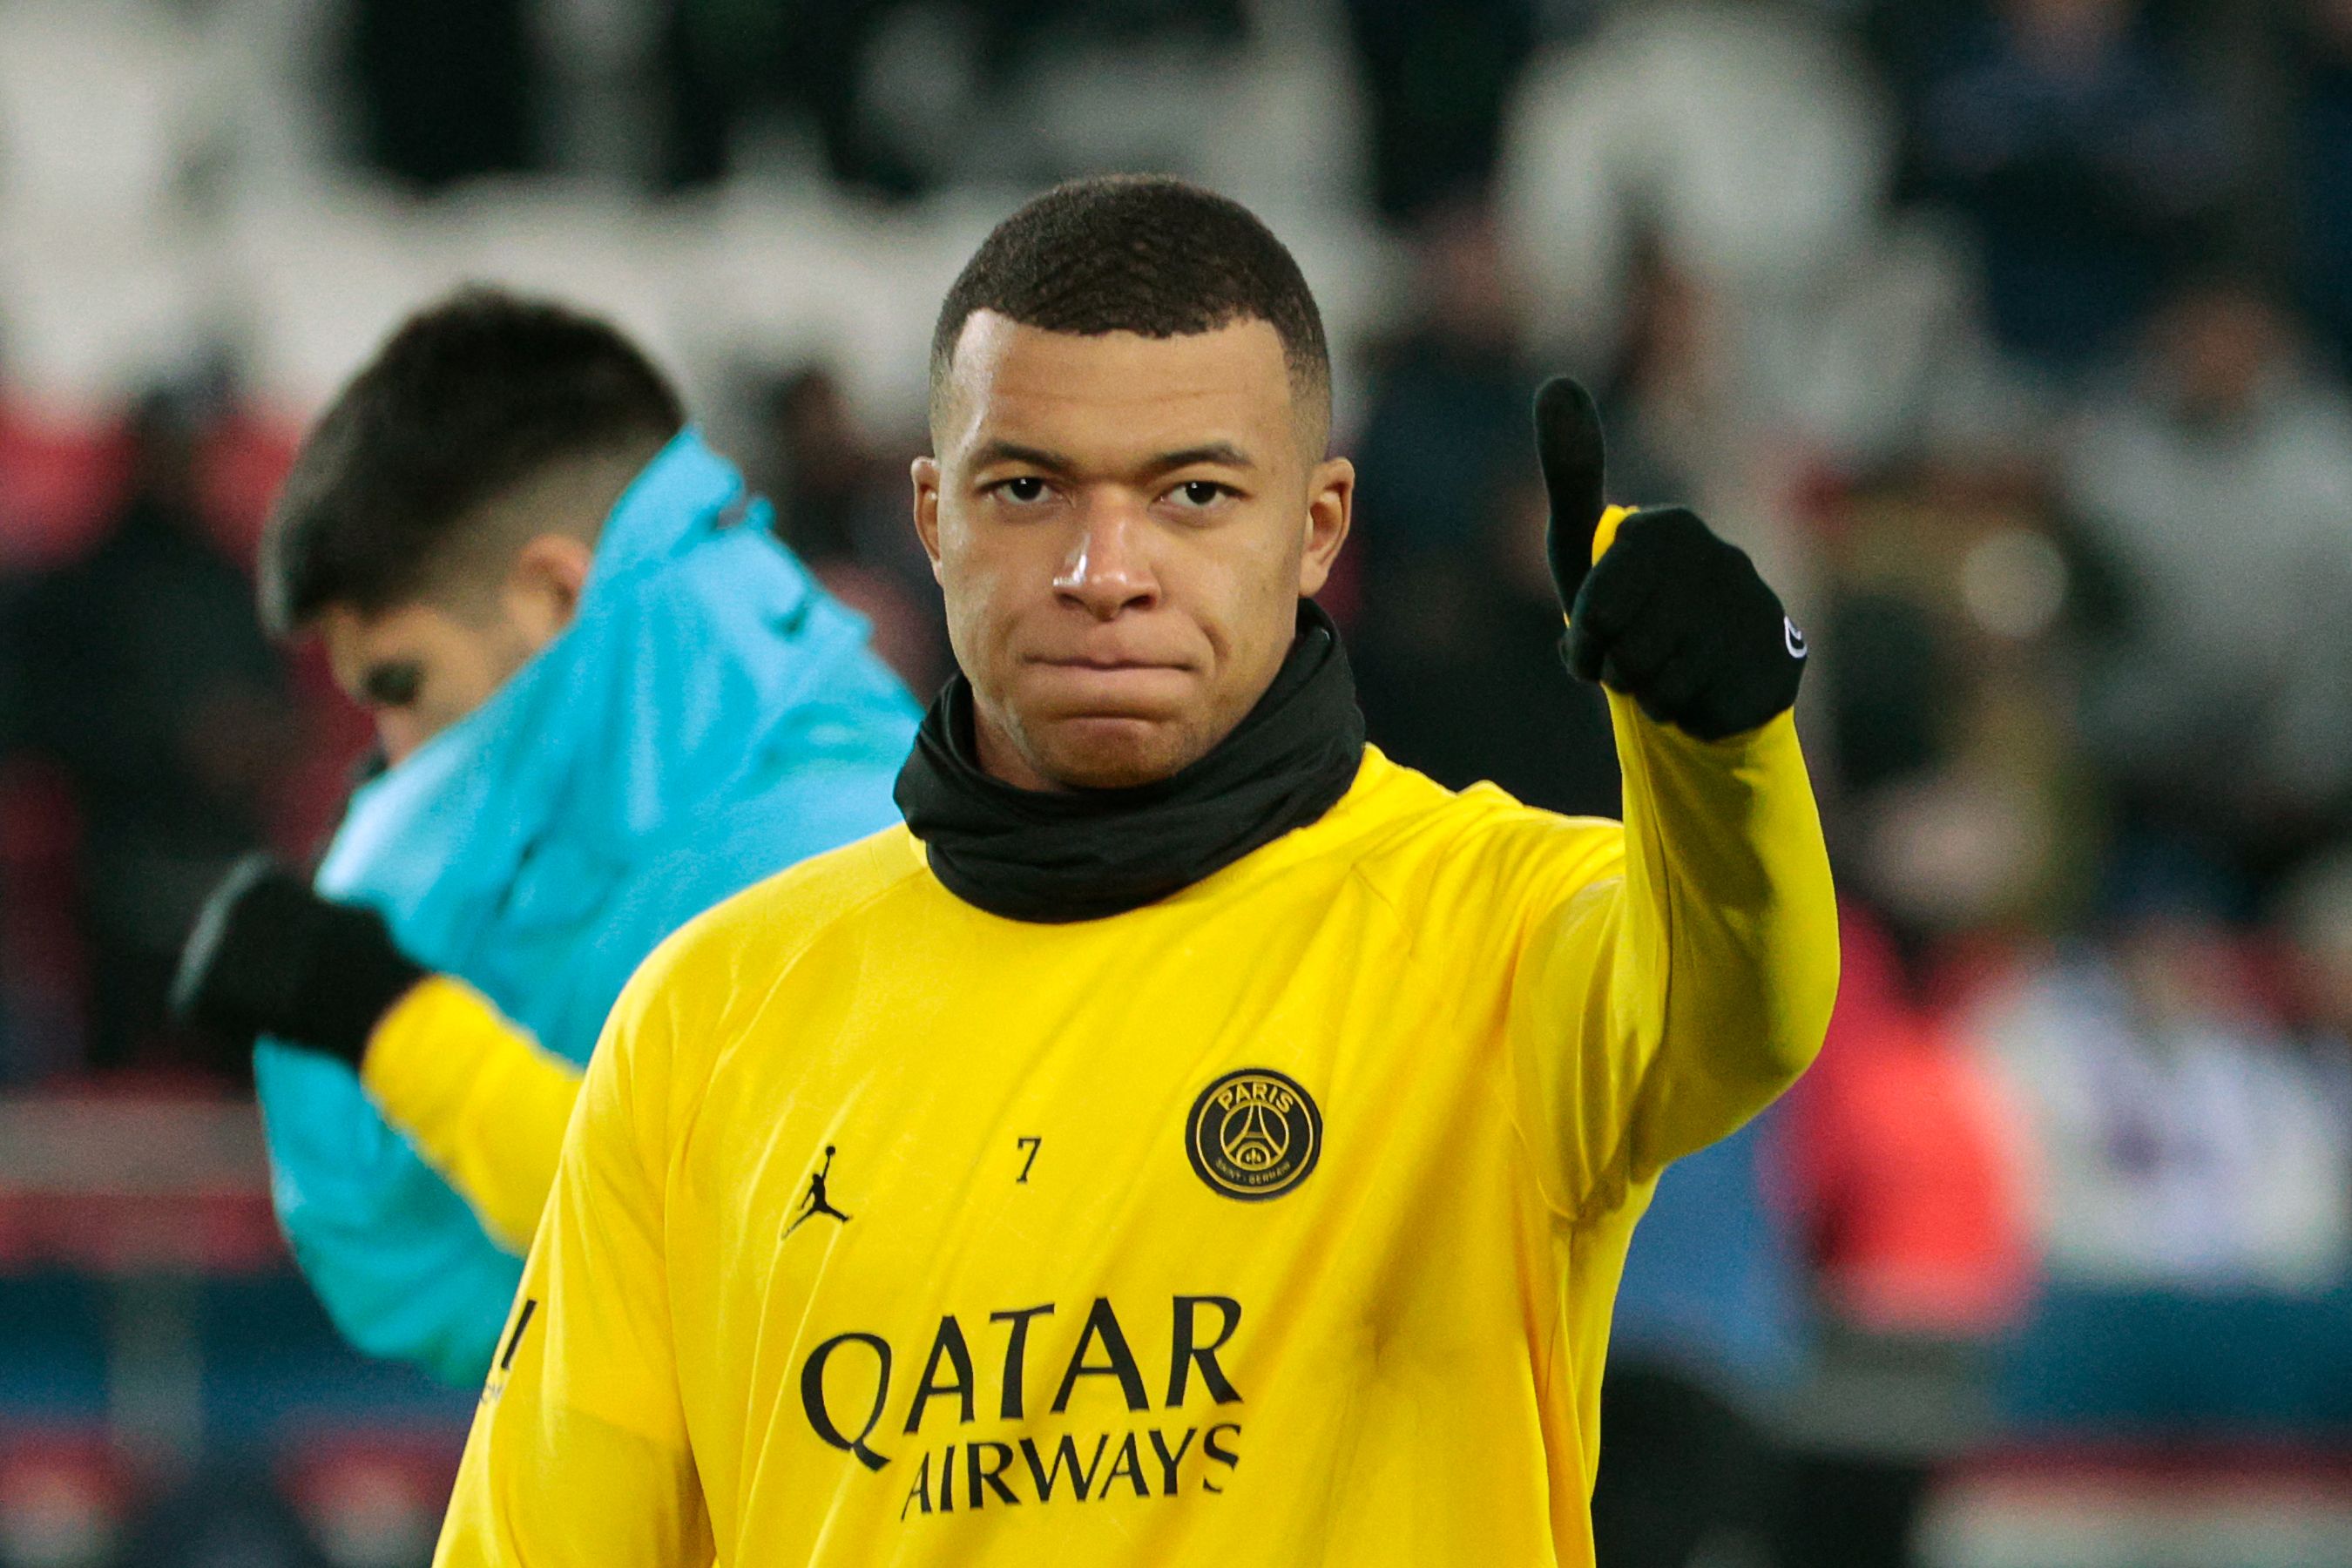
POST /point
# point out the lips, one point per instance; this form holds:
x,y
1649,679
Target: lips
x,y
1108,664
1105,688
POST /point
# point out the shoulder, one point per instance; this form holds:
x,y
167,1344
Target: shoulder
x,y
771,923
1416,841
652,1068
733,953
1392,805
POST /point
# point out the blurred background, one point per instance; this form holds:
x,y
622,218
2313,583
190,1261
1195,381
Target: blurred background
x,y
2011,336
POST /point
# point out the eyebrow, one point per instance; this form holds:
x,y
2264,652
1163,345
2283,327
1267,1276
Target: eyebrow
x,y
1222,454
994,452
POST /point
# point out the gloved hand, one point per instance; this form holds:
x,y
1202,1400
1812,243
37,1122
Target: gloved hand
x,y
1671,616
269,956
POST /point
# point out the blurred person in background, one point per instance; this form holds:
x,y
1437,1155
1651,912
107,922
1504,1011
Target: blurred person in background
x,y
725,62
1904,1165
1675,384
608,698
1669,386
2217,481
141,676
839,507
1963,600
2317,54
1437,77
814,463
1744,139
1460,667
1457,636
902,97
1448,397
2195,1200
1959,599
2087,161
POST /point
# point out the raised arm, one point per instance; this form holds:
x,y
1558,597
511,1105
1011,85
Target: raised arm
x,y
1656,1010
579,1455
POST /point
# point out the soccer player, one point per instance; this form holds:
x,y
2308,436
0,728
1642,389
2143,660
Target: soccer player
x,y
1192,1137
609,698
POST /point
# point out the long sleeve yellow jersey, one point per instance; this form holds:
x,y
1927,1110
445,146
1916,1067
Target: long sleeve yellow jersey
x,y
477,1097
1275,1223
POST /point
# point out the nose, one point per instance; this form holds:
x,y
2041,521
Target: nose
x,y
1109,569
399,734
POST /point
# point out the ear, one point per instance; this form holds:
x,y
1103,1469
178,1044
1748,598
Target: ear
x,y
1331,510
926,475
542,588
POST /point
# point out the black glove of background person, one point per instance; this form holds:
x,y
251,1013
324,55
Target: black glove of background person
x,y
1671,616
269,956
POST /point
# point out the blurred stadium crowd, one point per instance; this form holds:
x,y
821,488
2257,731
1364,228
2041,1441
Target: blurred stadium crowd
x,y
2012,336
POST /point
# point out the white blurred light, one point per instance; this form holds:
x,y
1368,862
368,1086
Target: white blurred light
x,y
2013,582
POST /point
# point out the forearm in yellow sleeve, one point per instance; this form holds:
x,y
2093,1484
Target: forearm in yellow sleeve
x,y
484,1105
1729,962
1660,1003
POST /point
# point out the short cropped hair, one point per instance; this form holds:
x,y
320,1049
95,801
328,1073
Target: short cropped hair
x,y
472,396
1141,254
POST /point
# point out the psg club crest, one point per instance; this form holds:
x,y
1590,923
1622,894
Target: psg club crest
x,y
1253,1134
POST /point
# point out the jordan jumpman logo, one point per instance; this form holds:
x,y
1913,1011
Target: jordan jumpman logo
x,y
816,1203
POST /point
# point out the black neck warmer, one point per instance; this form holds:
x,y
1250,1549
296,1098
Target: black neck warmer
x,y
1053,858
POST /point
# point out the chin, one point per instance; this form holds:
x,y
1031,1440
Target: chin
x,y
1115,753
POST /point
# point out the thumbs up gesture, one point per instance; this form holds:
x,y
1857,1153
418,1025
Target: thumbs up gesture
x,y
1659,609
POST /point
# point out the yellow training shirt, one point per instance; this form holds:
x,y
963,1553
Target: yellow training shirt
x,y
1277,1223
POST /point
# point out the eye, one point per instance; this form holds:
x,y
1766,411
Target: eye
x,y
393,685
1200,492
1024,491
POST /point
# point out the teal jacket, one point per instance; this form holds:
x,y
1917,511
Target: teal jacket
x,y
711,717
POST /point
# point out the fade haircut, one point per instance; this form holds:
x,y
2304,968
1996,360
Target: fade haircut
x,y
1142,253
472,397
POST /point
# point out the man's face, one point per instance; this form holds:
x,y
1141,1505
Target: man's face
x,y
1123,527
420,667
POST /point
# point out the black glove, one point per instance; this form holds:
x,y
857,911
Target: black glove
x,y
269,956
1672,616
